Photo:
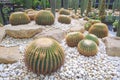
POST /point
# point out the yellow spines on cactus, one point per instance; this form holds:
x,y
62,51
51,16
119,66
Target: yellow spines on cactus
x,y
64,19
44,17
73,38
87,47
64,11
92,37
18,18
44,56
99,29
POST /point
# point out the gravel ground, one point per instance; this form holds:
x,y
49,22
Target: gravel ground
x,y
76,66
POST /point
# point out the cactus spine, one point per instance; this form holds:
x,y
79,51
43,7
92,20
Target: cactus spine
x,y
44,56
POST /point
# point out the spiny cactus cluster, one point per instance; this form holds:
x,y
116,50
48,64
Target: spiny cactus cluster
x,y
44,17
73,38
64,19
18,18
64,11
44,55
87,47
92,37
99,29
90,23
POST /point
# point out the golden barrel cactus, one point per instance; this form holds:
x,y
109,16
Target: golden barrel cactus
x,y
64,19
99,29
64,11
87,25
44,17
87,47
93,38
44,55
73,38
18,18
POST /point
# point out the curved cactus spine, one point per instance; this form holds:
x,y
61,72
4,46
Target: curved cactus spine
x,y
87,47
73,38
18,18
93,38
99,29
64,19
44,17
44,56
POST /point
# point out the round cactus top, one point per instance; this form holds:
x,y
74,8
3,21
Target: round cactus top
x,y
100,25
43,42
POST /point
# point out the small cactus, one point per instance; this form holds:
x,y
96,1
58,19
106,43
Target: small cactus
x,y
44,17
99,29
90,23
18,18
64,19
93,38
64,11
87,47
73,38
44,56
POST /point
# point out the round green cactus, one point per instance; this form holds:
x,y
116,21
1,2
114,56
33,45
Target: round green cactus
x,y
87,47
64,11
99,29
73,38
44,17
93,38
64,19
44,55
87,25
94,21
18,18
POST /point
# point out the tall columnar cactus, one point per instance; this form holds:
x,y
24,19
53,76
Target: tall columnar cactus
x,y
18,18
43,4
64,11
87,47
58,4
94,3
118,28
102,8
89,7
76,5
92,37
99,29
73,38
44,55
116,5
64,19
108,3
53,6
65,4
83,6
44,17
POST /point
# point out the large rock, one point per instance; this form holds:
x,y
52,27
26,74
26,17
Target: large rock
x,y
9,55
112,46
22,31
56,34
2,33
77,29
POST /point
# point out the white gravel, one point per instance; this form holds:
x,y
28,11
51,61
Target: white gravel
x,y
76,66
